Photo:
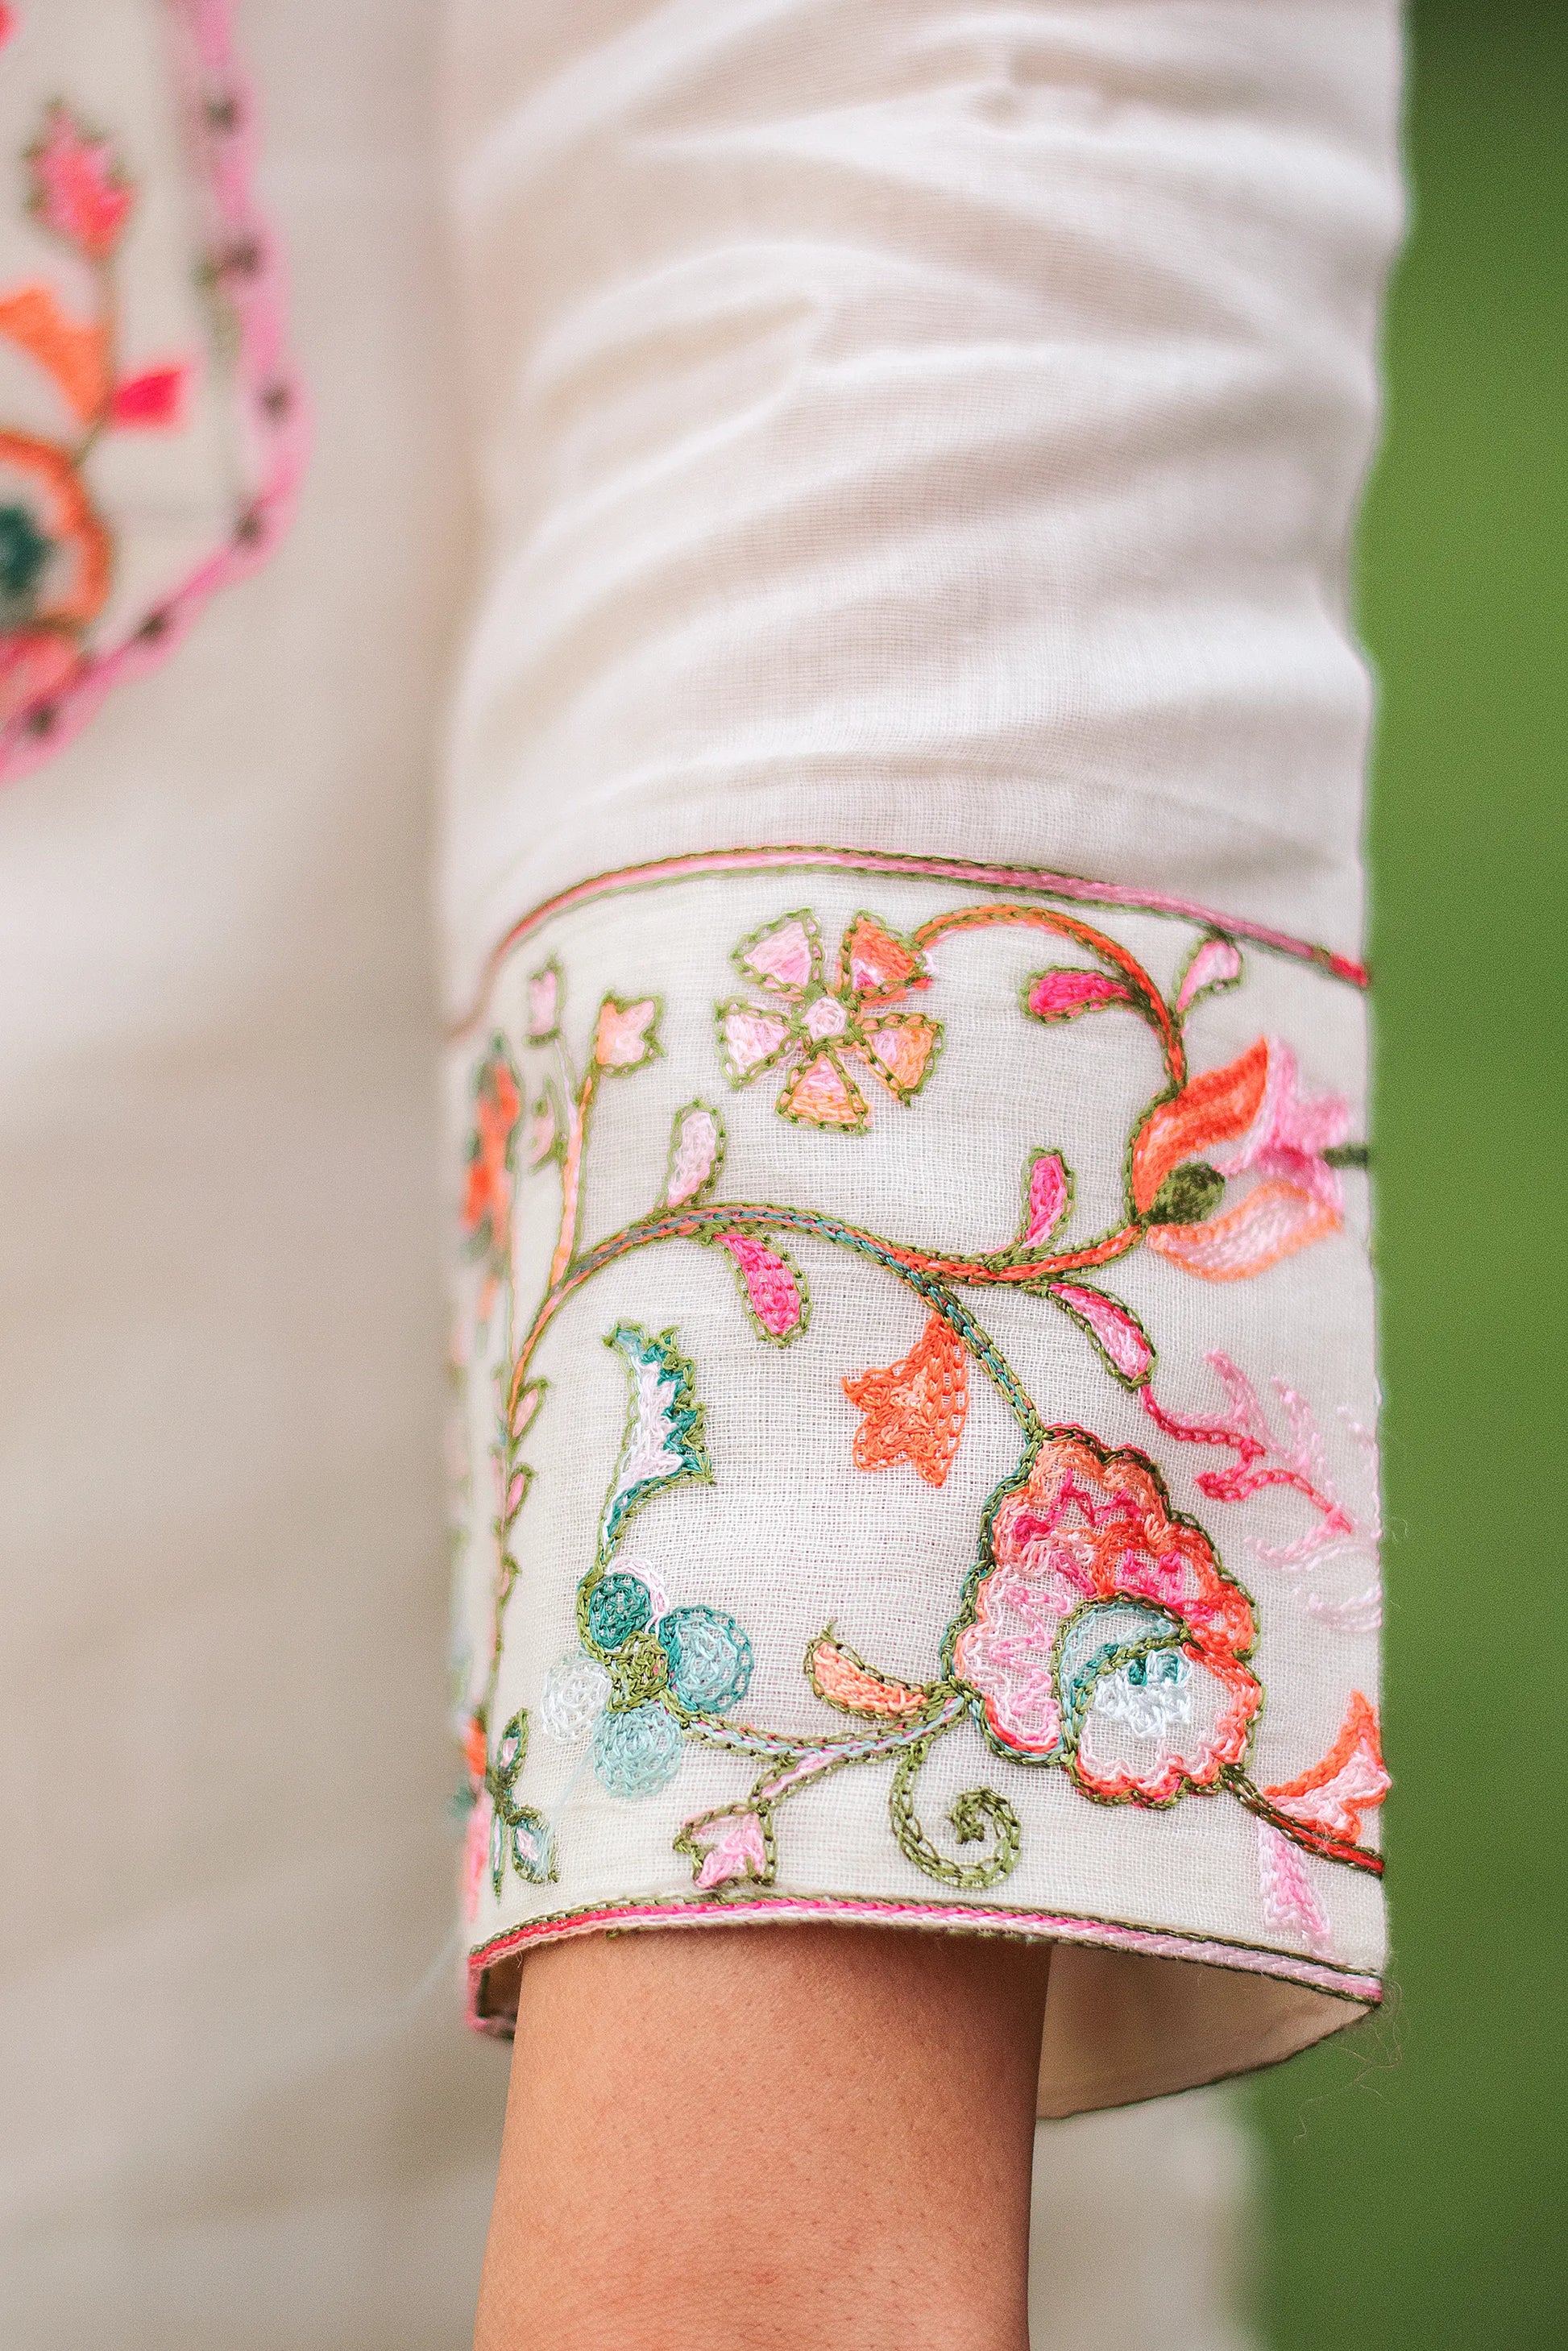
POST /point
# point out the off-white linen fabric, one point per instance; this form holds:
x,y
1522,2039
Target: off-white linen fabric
x,y
237,2112
925,431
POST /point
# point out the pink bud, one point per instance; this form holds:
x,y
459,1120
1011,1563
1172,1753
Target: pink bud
x,y
1047,1190
1119,1335
774,1291
1061,993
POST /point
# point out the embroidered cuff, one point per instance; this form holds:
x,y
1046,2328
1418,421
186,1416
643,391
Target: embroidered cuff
x,y
914,1388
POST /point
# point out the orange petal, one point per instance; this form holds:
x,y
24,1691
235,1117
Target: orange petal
x,y
915,1409
899,1048
846,1681
1215,1107
76,356
877,964
1272,1222
820,1095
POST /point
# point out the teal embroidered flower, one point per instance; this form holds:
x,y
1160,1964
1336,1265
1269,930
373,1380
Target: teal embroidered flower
x,y
709,1657
637,1750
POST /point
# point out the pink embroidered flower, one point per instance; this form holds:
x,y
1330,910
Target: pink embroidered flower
x,y
487,1193
1288,1143
730,1848
1104,1636
78,188
626,1035
827,1029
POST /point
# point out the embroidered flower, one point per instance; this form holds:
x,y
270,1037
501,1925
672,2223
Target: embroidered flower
x,y
1352,1779
1104,1636
625,1035
54,549
914,1411
827,1029
1288,1143
76,186
732,1847
487,1215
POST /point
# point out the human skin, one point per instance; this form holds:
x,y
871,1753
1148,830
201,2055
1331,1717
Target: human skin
x,y
767,2139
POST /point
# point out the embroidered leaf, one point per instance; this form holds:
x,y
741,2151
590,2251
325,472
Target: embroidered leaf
x,y
696,1155
841,1679
876,964
546,1140
1290,1905
748,1040
1213,963
773,1287
1063,992
151,401
1351,1779
732,1847
785,955
901,1048
532,1847
517,1487
914,1410
1272,1222
1047,1197
77,187
1127,1349
1215,1107
623,1037
76,356
822,1094
544,1003
662,1445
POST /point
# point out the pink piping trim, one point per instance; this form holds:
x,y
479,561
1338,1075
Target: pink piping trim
x,y
876,861
206,68
739,1909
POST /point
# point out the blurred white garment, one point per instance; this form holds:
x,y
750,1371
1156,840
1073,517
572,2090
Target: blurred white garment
x,y
237,2109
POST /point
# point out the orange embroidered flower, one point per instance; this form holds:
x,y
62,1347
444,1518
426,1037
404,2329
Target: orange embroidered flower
x,y
486,1213
1104,1636
54,551
1288,1143
914,1410
1352,1779
828,1029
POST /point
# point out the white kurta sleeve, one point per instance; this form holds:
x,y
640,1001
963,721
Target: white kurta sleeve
x,y
913,1349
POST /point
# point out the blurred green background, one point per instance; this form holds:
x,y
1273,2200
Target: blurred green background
x,y
1417,2182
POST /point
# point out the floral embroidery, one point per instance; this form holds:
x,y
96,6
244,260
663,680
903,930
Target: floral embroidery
x,y
1097,1633
1102,1632
1264,1461
823,1029
1331,1798
914,1411
62,644
487,1193
1300,1198
645,1671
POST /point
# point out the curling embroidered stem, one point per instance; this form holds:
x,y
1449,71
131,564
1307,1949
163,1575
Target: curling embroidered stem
x,y
1147,997
977,1812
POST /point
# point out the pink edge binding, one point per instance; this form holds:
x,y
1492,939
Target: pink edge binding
x,y
207,70
742,1909
1039,879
